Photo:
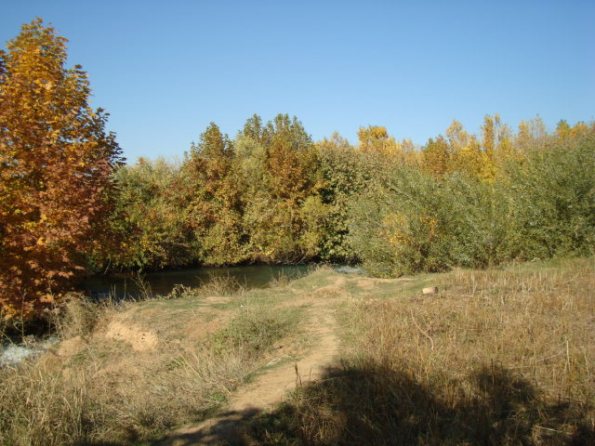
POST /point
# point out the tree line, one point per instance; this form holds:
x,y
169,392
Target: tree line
x,y
69,206
273,195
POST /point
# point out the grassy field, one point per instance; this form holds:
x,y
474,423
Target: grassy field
x,y
501,356
126,373
496,357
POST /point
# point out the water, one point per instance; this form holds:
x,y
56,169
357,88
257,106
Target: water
x,y
12,354
162,282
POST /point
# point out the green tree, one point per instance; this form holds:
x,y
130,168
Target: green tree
x,y
150,217
281,158
215,209
344,172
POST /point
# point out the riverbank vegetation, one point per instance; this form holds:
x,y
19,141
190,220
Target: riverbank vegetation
x,y
69,207
272,195
129,372
497,356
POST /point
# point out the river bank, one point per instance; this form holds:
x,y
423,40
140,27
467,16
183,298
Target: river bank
x,y
513,344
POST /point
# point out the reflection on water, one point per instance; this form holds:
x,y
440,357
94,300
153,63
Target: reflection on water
x,y
161,283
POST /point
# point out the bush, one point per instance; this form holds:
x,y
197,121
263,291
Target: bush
x,y
552,195
540,206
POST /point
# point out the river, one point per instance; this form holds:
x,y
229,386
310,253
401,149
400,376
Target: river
x,y
122,286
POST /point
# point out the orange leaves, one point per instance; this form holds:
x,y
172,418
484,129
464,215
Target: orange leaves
x,y
52,147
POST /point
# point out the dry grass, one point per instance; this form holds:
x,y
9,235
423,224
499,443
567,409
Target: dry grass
x,y
497,357
106,384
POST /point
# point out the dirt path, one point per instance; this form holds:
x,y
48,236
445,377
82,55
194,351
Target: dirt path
x,y
269,388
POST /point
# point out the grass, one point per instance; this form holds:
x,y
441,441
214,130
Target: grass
x,y
107,384
497,357
255,329
501,356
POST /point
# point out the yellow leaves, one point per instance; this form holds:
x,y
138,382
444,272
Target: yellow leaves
x,y
403,231
430,223
396,228
7,311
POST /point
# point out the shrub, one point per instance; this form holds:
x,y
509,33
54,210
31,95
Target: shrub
x,y
540,206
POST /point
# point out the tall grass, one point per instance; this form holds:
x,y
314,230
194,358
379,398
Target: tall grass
x,y
104,392
497,357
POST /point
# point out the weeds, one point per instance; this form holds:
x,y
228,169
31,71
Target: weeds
x,y
40,407
216,285
99,389
143,286
280,280
77,316
498,357
221,285
255,329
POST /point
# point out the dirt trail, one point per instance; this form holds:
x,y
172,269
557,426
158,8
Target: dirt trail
x,y
269,388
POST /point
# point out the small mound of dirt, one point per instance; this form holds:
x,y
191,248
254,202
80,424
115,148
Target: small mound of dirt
x,y
140,340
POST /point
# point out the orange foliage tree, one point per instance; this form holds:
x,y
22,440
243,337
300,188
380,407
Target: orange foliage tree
x,y
56,160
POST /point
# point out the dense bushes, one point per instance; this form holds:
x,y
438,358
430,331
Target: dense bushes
x,y
553,194
540,204
271,195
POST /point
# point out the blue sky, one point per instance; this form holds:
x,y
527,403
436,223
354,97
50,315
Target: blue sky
x,y
164,70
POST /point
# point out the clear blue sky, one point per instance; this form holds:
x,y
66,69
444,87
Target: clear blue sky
x,y
165,69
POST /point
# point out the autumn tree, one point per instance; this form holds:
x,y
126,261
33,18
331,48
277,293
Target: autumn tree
x,y
531,135
56,159
214,213
565,131
281,162
376,140
436,156
466,150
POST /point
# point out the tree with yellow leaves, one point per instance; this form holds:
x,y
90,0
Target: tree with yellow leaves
x,y
436,157
466,151
376,140
56,161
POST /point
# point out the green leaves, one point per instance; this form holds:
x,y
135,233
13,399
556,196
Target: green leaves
x,y
539,207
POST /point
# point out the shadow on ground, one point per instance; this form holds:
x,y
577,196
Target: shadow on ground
x,y
374,405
